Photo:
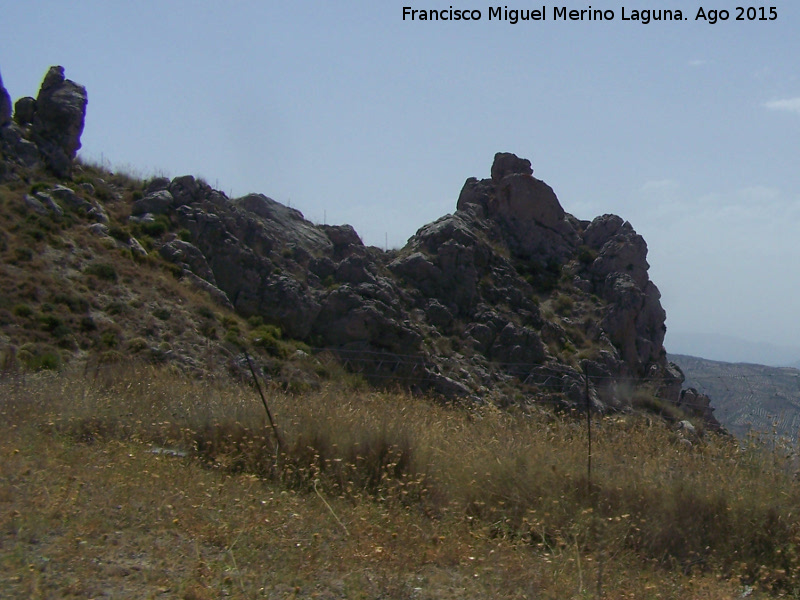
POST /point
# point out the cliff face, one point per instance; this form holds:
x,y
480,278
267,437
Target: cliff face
x,y
508,299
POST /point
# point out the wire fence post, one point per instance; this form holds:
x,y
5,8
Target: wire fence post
x,y
588,433
264,402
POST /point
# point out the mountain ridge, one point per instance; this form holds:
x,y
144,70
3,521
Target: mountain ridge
x,y
750,399
728,348
510,299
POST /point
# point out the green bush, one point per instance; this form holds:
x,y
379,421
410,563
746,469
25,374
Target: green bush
x,y
120,234
155,228
563,304
22,310
586,255
268,337
163,314
103,271
109,339
37,357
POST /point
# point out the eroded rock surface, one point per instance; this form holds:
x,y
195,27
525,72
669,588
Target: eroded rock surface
x,y
509,299
46,129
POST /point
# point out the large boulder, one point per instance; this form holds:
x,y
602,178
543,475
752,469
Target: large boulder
x,y
620,249
284,224
5,105
506,163
530,218
24,110
59,119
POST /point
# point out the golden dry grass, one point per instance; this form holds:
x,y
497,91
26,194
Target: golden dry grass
x,y
375,495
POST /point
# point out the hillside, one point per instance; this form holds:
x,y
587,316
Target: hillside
x,y
412,424
747,397
508,300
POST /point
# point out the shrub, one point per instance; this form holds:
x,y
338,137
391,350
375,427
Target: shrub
x,y
76,304
268,337
109,339
586,255
36,357
161,313
22,310
119,233
155,228
103,271
87,324
206,313
563,304
137,345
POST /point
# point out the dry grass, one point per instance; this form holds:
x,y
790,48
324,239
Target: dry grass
x,y
375,495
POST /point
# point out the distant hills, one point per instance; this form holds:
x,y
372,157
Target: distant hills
x,y
732,349
748,397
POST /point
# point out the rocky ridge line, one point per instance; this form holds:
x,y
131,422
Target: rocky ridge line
x,y
508,299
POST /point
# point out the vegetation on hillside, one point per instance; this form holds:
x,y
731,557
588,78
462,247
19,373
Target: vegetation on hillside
x,y
142,482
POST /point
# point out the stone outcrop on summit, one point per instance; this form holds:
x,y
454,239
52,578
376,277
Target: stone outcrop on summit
x,y
508,291
47,129
510,298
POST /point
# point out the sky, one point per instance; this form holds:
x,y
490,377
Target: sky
x,y
343,110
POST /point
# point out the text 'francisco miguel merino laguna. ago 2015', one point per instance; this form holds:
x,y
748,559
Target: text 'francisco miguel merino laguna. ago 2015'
x,y
563,13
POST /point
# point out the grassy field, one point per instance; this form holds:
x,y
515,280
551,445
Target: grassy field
x,y
138,482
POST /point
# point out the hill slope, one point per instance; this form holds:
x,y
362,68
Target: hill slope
x,y
509,300
748,398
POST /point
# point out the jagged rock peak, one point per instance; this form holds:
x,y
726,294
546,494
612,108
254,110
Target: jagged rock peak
x,y
532,218
506,163
59,120
46,129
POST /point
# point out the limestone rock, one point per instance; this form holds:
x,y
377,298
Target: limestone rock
x,y
184,190
59,120
344,238
286,224
506,163
157,203
527,211
519,347
189,257
699,405
24,110
508,291
156,184
34,204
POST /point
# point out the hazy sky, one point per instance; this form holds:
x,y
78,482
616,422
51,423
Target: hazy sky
x,y
343,110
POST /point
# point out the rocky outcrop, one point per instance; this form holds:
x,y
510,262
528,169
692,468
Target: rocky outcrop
x,y
533,221
59,119
509,292
510,298
46,129
699,405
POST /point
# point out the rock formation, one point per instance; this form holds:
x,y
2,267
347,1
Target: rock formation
x,y
46,129
508,299
510,292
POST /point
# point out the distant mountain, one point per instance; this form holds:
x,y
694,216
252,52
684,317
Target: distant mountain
x,y
748,397
732,349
